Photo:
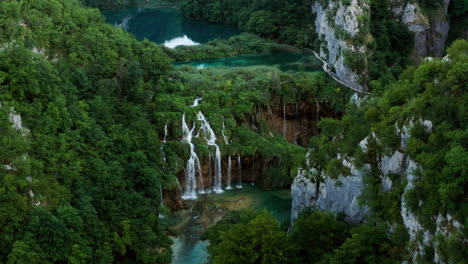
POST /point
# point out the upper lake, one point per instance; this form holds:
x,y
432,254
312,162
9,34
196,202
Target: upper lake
x,y
167,26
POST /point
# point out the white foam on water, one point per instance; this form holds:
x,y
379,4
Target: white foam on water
x,y
180,41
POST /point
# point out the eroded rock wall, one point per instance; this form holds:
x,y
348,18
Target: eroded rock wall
x,y
430,27
342,195
336,25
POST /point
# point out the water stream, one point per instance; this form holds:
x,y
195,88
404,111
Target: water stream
x,y
229,170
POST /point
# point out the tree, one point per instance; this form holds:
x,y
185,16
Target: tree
x,y
317,233
258,241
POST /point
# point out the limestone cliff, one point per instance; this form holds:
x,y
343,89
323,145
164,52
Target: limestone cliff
x,y
342,195
343,38
336,25
430,27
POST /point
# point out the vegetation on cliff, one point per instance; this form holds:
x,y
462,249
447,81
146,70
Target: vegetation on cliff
x,y
434,91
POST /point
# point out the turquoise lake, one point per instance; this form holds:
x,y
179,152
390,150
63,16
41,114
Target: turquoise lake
x,y
166,24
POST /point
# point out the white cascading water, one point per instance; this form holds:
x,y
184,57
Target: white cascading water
x,y
211,138
228,187
164,143
239,172
180,41
192,164
196,102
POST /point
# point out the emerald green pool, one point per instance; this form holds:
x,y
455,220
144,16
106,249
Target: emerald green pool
x,y
189,249
283,59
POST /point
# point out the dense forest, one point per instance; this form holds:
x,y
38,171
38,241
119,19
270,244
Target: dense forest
x,y
84,157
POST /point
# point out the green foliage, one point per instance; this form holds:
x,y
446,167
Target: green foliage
x,y
231,96
392,44
220,48
287,21
317,234
369,243
82,88
434,91
260,240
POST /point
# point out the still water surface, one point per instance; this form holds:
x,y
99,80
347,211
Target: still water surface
x,y
189,249
167,26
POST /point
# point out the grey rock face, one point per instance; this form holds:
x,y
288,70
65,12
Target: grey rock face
x,y
303,192
431,31
330,20
334,195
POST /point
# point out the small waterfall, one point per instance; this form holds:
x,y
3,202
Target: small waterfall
x,y
254,126
211,138
161,194
239,172
192,164
165,133
284,121
196,102
228,187
164,143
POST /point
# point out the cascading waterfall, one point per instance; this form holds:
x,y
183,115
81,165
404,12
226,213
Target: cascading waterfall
x,y
196,102
239,172
192,164
228,187
211,138
164,143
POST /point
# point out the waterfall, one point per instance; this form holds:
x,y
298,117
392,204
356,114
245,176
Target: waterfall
x,y
196,102
211,138
228,187
239,171
161,194
253,123
284,121
229,174
192,164
164,143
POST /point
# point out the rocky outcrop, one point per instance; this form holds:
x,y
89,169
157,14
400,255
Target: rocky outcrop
x,y
430,28
325,193
334,195
342,194
336,25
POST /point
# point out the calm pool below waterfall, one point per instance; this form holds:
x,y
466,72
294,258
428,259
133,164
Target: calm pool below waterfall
x,y
208,208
